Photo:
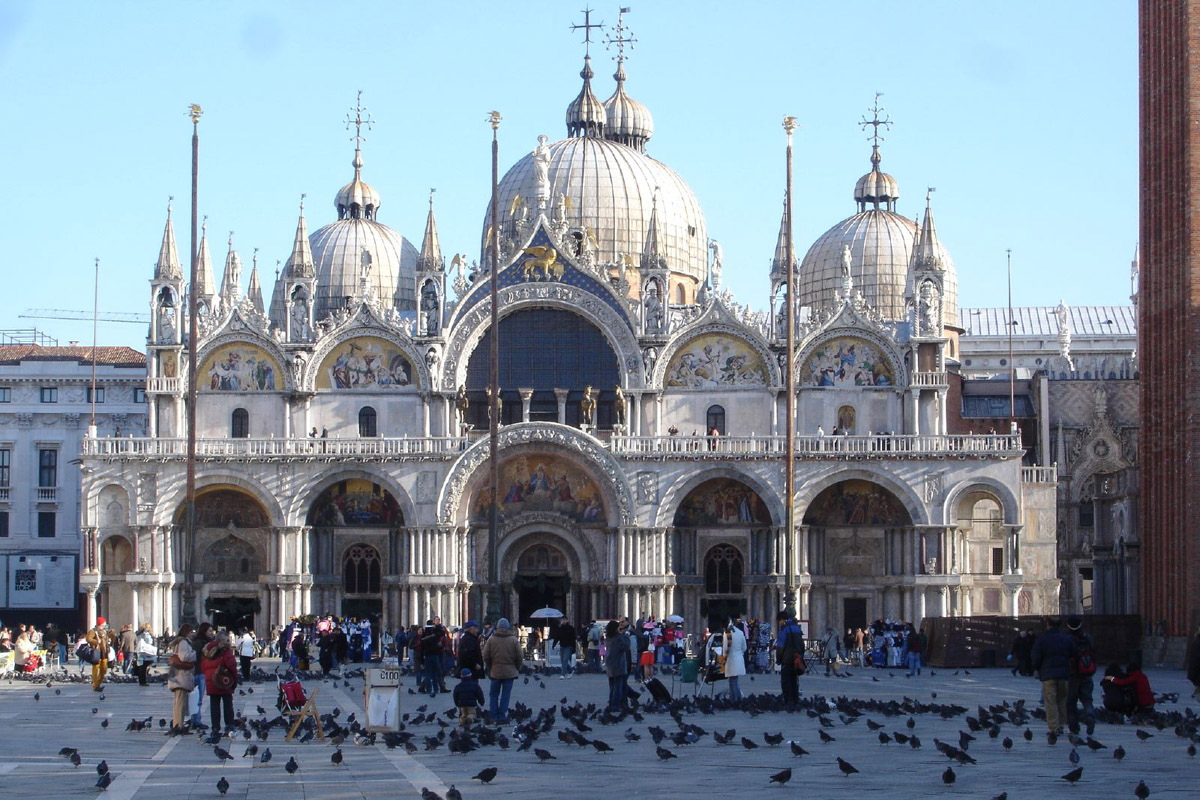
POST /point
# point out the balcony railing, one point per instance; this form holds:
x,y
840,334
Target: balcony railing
x,y
1040,474
161,384
47,494
929,379
271,449
4,490
882,446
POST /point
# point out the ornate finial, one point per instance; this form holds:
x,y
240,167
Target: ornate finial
x,y
586,27
277,265
231,240
789,125
929,190
170,199
254,258
359,121
204,224
875,122
302,196
620,36
432,189
195,112
494,119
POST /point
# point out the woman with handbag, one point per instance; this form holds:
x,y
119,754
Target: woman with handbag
x,y
181,678
734,650
220,679
145,653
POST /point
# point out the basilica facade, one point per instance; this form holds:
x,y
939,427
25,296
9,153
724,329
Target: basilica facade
x,y
342,453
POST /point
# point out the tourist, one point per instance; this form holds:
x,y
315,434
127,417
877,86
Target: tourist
x,y
220,679
617,658
1021,653
246,647
101,639
1138,696
181,679
734,649
127,644
914,645
1081,685
325,647
789,646
24,660
200,640
502,660
829,652
467,697
595,636
1051,656
145,653
470,652
564,635
433,637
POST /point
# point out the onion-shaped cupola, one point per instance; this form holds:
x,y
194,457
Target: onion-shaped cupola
x,y
586,115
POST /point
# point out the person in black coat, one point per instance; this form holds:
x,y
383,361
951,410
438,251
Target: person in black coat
x,y
1053,654
470,652
564,635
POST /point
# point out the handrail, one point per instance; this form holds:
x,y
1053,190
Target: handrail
x,y
260,449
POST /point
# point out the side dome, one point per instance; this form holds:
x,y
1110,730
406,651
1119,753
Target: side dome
x,y
338,258
881,244
629,122
615,203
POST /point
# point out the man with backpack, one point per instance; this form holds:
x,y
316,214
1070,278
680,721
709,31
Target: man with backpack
x,y
1081,684
789,645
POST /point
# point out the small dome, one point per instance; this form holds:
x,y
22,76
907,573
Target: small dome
x,y
337,251
629,122
586,115
881,244
357,199
876,188
619,198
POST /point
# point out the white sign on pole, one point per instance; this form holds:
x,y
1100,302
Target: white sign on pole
x,y
381,699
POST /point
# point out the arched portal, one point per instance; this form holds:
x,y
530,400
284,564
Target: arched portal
x,y
223,506
542,580
362,574
355,503
545,350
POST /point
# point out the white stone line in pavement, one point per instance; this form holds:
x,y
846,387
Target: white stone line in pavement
x,y
417,774
8,767
166,749
126,783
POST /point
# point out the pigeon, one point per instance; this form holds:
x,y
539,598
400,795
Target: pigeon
x,y
485,775
749,744
104,723
102,768
773,739
782,777
1008,743
664,753
1142,791
1094,745
75,759
37,696
797,750
825,737
846,767
1028,735
291,766
544,755
222,754
426,794
873,725
1143,735
630,736
601,747
915,742
252,750
1119,753
884,738
105,781
1191,751
453,794
1073,775
222,786
949,776
1073,756
336,758
265,757
1001,796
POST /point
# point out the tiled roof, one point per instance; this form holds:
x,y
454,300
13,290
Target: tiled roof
x,y
1042,321
109,356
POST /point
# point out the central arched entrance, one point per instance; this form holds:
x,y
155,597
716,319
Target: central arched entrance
x,y
542,579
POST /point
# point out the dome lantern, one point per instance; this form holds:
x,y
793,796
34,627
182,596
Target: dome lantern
x,y
627,121
357,200
586,114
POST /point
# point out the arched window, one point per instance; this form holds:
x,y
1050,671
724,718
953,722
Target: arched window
x,y
715,418
680,295
723,570
361,569
366,422
239,424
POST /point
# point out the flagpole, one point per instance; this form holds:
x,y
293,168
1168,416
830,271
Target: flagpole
x,y
789,468
189,613
493,596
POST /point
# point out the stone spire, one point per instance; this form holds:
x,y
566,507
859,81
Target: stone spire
x,y
431,248
206,284
168,267
254,290
779,263
231,289
654,256
300,262
927,250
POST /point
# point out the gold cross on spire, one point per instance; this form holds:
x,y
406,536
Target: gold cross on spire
x,y
586,27
875,136
621,36
361,117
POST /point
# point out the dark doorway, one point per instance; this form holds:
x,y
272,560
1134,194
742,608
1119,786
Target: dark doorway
x,y
854,612
715,420
719,610
540,591
233,613
364,608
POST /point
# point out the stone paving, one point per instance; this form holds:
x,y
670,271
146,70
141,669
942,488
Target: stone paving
x,y
148,764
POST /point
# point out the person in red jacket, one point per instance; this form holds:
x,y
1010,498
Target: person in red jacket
x,y
1134,677
218,657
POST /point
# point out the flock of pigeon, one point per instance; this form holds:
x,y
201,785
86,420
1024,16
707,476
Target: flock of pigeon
x,y
576,726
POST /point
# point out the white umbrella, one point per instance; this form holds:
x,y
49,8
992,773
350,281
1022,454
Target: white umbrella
x,y
546,613
675,618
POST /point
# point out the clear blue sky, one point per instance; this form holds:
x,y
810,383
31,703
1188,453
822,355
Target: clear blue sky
x,y
1022,114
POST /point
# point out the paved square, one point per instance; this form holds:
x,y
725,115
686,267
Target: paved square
x,y
148,764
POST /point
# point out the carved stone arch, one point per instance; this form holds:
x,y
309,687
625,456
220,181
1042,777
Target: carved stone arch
x,y
469,330
98,499
700,328
214,562
906,494
515,539
679,490
263,342
327,344
308,493
117,553
569,442
869,334
166,511
1010,505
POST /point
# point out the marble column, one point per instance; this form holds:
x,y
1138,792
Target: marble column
x,y
561,396
918,605
526,398
914,406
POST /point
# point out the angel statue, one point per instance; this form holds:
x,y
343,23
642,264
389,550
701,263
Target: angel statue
x,y
587,406
461,403
715,270
541,171
847,280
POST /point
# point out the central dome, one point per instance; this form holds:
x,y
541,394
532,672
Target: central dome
x,y
614,200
